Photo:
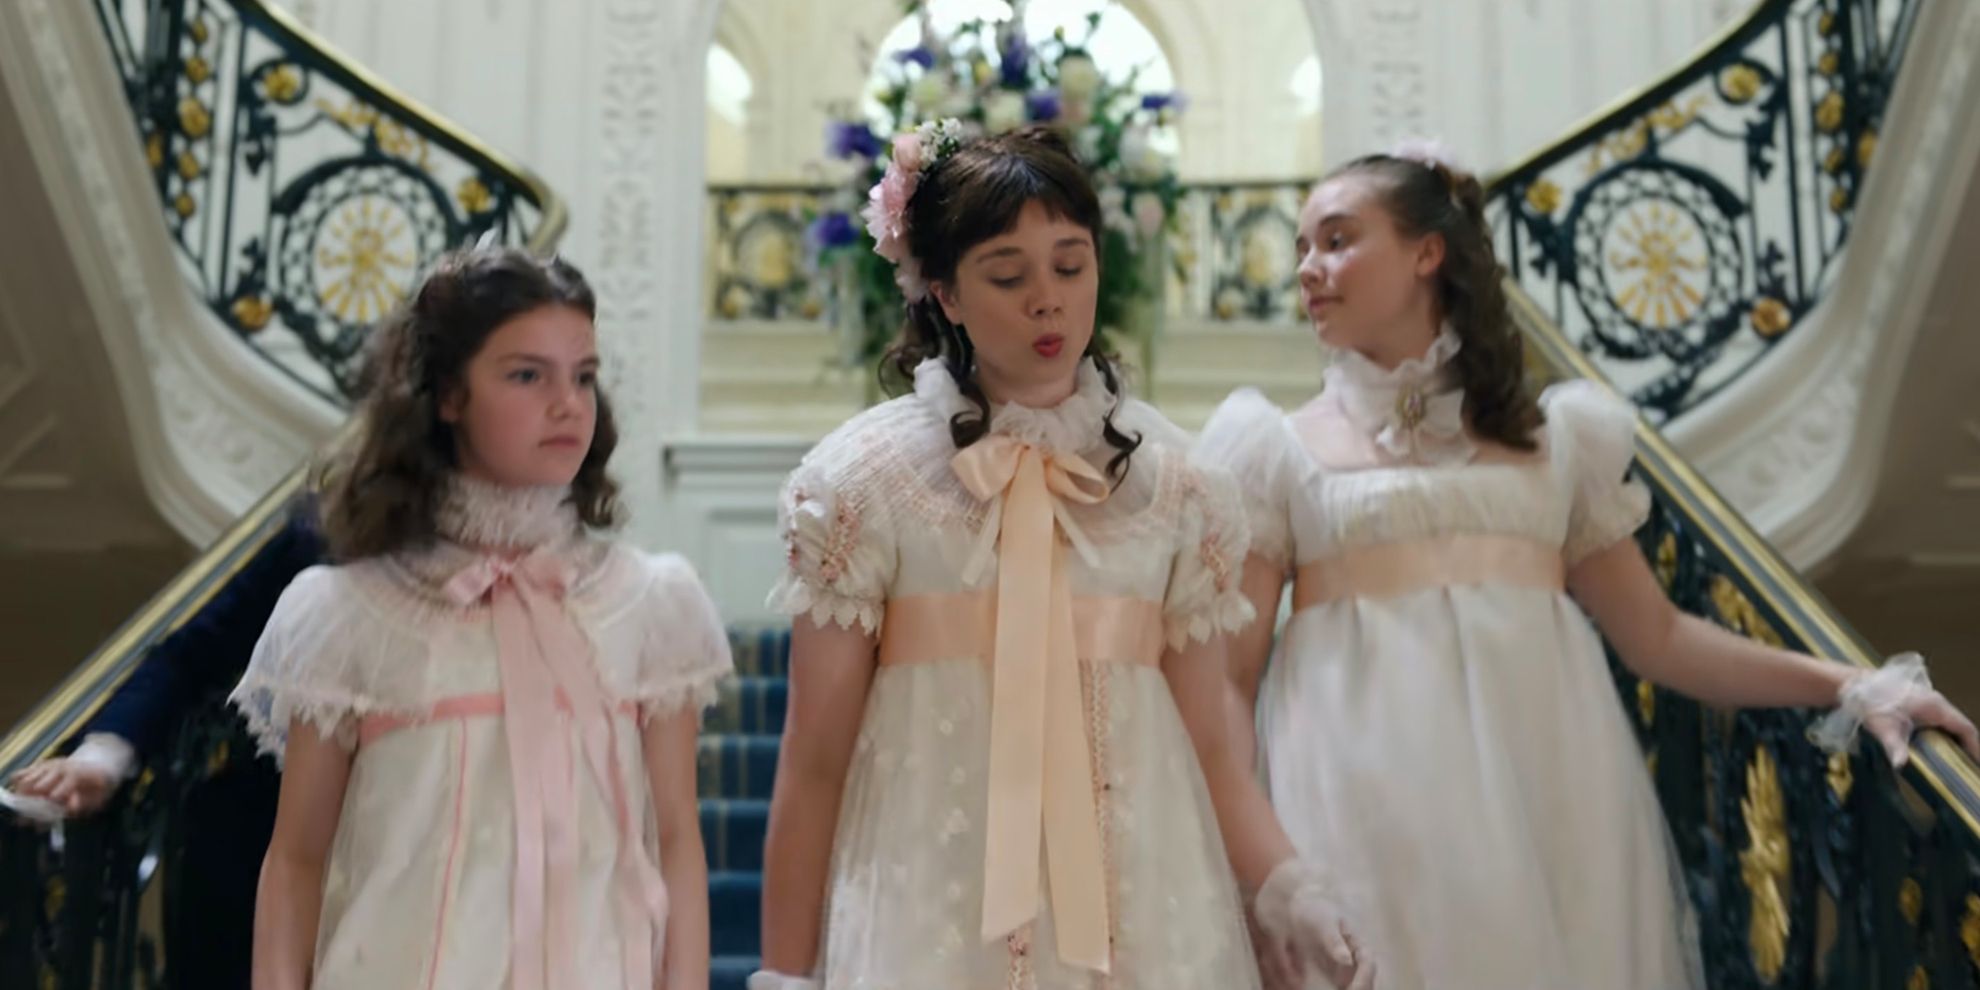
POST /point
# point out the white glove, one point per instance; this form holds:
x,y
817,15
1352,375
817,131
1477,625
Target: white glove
x,y
1891,702
1297,914
764,979
67,786
107,752
40,811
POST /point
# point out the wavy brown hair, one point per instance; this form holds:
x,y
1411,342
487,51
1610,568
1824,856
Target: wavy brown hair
x,y
1428,199
968,198
381,489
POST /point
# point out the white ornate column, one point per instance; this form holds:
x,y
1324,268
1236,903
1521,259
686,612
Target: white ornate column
x,y
643,195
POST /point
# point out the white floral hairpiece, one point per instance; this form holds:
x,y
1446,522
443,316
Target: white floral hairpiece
x,y
1429,152
914,153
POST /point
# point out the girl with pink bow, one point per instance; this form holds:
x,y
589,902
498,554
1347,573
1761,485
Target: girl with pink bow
x,y
1438,718
1005,760
486,713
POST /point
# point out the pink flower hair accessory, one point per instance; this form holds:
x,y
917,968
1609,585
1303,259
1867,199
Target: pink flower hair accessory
x,y
913,154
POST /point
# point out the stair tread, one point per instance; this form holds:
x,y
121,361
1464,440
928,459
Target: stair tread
x,y
736,756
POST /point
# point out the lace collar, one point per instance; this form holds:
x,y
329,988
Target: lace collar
x,y
1072,426
1411,412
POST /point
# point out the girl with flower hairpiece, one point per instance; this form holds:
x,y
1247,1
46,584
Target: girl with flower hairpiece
x,y
1004,763
1440,722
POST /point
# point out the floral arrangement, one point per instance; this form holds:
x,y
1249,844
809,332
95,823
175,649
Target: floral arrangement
x,y
989,78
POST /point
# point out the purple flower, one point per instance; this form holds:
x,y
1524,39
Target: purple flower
x,y
1015,60
1043,105
1164,101
851,139
918,54
831,230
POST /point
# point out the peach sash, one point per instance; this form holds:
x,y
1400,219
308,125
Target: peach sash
x,y
1387,570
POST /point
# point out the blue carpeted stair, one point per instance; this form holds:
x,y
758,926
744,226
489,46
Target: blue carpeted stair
x,y
737,760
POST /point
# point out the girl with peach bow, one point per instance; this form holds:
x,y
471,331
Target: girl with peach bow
x,y
1005,761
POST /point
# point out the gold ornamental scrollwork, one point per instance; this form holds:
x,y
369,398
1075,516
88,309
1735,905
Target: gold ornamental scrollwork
x,y
1738,613
1765,864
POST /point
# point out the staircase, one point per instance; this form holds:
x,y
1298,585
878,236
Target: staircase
x,y
737,761
1809,872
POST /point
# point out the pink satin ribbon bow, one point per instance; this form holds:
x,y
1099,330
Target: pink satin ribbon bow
x,y
1036,705
544,656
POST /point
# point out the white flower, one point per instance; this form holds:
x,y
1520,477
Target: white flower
x,y
1134,142
938,137
1113,210
1426,151
1113,214
1003,111
930,92
1079,78
1140,157
1086,143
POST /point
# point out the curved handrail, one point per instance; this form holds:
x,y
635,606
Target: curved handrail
x,y
89,891
78,698
1633,104
1809,869
354,75
1806,615
303,194
1685,230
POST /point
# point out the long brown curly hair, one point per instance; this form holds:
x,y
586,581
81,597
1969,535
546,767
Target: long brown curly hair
x,y
1432,198
381,490
968,198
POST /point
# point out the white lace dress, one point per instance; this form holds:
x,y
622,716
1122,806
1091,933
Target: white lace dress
x,y
418,888
1438,724
879,527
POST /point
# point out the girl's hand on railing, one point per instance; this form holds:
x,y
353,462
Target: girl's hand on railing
x,y
1891,703
78,788
82,782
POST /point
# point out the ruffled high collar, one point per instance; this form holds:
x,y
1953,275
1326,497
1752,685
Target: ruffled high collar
x,y
1072,426
1413,413
486,516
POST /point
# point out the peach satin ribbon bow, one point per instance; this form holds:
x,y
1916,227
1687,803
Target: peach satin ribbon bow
x,y
1036,706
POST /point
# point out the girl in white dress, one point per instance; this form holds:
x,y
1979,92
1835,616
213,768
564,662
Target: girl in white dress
x,y
486,714
1005,761
1439,722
